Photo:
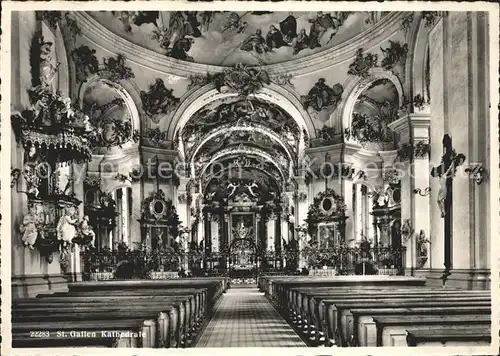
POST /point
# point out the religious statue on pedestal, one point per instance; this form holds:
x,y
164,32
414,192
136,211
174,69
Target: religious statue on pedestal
x,y
66,230
87,231
28,228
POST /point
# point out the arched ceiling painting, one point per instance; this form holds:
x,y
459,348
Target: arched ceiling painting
x,y
227,38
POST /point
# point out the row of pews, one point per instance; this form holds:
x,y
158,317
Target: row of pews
x,y
146,313
376,311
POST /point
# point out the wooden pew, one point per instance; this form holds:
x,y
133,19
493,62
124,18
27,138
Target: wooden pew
x,y
354,324
175,308
144,330
391,331
466,335
164,319
331,311
307,309
197,306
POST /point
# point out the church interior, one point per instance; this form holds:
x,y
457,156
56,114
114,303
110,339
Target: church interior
x,y
258,178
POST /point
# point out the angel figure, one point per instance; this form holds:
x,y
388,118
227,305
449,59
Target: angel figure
x,y
251,186
233,188
28,228
86,229
66,230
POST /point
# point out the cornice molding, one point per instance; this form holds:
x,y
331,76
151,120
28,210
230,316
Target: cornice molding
x,y
95,32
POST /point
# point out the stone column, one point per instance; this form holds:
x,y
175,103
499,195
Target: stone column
x,y
413,130
358,213
349,233
135,215
75,262
439,76
301,209
182,203
271,231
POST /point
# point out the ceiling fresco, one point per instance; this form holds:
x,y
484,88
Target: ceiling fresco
x,y
237,137
228,38
237,111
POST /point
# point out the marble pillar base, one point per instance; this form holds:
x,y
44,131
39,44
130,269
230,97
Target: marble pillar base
x,y
477,279
29,286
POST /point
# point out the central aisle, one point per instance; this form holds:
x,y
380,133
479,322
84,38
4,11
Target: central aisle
x,y
244,318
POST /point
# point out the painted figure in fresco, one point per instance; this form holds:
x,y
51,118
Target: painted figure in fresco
x,y
86,229
321,95
289,28
255,43
144,17
274,38
302,42
180,48
319,26
28,228
235,22
206,18
66,230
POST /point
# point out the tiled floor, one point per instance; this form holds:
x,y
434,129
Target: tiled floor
x,y
244,318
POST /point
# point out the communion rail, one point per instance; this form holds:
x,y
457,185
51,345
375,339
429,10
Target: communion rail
x,y
105,265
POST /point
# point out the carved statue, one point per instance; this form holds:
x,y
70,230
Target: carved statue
x,y
442,193
32,180
422,244
47,69
86,229
28,228
66,230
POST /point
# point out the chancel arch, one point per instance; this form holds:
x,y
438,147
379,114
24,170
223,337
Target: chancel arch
x,y
207,94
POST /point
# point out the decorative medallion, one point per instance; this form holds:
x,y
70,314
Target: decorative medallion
x,y
117,69
86,62
394,55
321,96
158,100
113,129
362,64
156,137
51,18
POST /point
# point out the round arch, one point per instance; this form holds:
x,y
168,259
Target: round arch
x,y
272,93
355,85
125,89
240,150
264,172
243,128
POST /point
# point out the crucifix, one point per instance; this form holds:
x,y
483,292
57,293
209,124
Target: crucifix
x,y
446,172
